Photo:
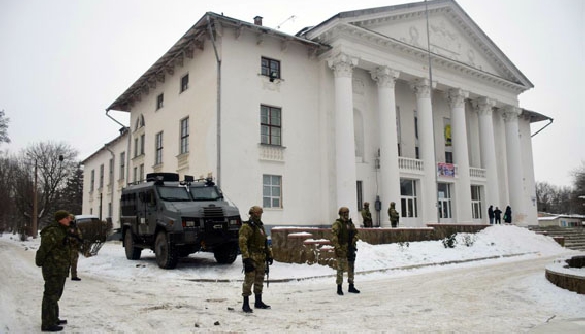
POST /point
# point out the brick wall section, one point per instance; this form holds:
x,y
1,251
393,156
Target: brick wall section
x,y
311,245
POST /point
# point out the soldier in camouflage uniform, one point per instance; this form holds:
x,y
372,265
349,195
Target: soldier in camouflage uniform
x,y
344,237
54,256
393,214
256,255
76,239
367,215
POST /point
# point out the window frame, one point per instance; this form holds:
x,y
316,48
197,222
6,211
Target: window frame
x,y
184,83
269,198
158,147
269,136
160,101
122,165
184,135
269,66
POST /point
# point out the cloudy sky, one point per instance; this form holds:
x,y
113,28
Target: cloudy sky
x,y
64,62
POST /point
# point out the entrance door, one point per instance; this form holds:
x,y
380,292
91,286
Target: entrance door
x,y
444,203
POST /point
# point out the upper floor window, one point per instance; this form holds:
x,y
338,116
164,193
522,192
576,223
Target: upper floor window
x,y
158,144
122,164
91,180
111,171
271,68
139,122
101,176
160,100
142,140
184,141
184,82
270,121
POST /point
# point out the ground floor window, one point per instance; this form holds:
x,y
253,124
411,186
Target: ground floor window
x,y
272,191
476,202
408,206
444,190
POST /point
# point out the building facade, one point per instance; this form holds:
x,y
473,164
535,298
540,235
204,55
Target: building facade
x,y
360,108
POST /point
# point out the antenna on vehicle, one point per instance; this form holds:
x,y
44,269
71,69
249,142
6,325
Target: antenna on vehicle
x,y
292,17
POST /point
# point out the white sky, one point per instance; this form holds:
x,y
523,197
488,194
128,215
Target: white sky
x,y
503,294
64,62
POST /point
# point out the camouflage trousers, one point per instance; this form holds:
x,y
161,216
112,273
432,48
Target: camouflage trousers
x,y
50,308
74,258
255,278
343,265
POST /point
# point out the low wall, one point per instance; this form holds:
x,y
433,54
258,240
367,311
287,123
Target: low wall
x,y
312,245
565,281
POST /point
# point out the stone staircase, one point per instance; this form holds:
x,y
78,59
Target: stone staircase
x,y
573,237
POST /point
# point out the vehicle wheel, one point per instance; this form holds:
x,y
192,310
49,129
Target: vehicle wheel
x,y
132,252
226,253
166,254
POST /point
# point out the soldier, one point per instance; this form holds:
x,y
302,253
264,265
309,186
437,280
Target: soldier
x,y
76,240
344,237
256,255
393,214
367,215
54,256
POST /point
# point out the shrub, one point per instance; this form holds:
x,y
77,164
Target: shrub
x,y
450,241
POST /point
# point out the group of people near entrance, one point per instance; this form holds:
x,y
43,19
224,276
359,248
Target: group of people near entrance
x,y
392,214
496,215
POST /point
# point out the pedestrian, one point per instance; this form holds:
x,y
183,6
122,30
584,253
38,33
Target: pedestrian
x,y
393,214
491,214
76,240
344,237
367,215
508,215
54,256
256,255
498,215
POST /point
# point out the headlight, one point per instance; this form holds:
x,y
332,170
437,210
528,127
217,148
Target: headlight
x,y
234,222
189,223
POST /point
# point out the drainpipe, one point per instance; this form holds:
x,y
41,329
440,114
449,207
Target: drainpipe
x,y
113,177
129,145
218,102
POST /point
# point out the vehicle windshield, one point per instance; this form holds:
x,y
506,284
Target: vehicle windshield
x,y
173,194
205,193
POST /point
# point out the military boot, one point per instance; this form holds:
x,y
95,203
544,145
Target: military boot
x,y
339,291
246,307
353,289
258,303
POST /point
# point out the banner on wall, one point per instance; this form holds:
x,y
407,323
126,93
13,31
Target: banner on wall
x,y
445,169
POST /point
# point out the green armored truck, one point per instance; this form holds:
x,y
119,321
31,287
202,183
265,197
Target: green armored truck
x,y
177,218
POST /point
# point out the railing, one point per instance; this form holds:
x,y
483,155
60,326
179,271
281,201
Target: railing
x,y
411,165
271,152
477,173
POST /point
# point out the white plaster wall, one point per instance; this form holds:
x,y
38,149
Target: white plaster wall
x,y
528,172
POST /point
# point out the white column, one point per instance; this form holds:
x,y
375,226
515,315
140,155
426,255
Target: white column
x,y
342,66
514,159
456,99
487,144
389,171
428,203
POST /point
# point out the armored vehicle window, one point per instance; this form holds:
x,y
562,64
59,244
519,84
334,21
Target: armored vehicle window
x,y
173,194
205,194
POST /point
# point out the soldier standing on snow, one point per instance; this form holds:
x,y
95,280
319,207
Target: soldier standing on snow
x,y
256,255
344,237
76,240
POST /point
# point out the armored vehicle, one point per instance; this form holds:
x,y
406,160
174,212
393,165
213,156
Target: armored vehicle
x,y
177,218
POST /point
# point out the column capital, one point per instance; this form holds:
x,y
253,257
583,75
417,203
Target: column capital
x,y
484,105
342,64
456,97
385,76
511,113
422,87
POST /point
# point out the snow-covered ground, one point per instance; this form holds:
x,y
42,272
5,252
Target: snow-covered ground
x,y
496,284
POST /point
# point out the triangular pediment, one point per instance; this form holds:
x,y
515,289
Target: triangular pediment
x,y
453,34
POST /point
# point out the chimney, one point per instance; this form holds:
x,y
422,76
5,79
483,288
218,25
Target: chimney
x,y
258,20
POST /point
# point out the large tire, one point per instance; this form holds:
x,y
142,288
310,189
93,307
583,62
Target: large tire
x,y
166,254
132,252
226,253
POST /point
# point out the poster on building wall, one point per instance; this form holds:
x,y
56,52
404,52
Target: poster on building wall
x,y
447,131
445,169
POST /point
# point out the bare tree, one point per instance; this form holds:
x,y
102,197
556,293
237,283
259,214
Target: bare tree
x,y
4,128
8,212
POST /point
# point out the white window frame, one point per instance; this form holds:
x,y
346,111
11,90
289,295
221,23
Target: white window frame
x,y
272,191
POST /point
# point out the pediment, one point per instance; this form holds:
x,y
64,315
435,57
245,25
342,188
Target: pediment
x,y
453,34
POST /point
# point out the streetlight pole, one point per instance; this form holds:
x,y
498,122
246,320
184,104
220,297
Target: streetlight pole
x,y
35,206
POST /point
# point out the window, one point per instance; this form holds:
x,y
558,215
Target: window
x,y
109,209
122,164
476,202
111,171
158,144
444,200
160,99
271,68
184,82
139,122
408,206
91,180
448,157
272,191
135,176
101,176
271,125
142,141
360,194
135,147
141,172
184,141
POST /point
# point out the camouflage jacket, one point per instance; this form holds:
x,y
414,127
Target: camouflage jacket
x,y
344,235
393,214
366,215
75,237
54,254
253,241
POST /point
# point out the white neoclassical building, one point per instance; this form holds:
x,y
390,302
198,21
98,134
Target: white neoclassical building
x,y
348,111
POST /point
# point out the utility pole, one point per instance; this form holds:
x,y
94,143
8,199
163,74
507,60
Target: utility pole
x,y
35,217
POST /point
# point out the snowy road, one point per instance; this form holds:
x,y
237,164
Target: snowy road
x,y
490,296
